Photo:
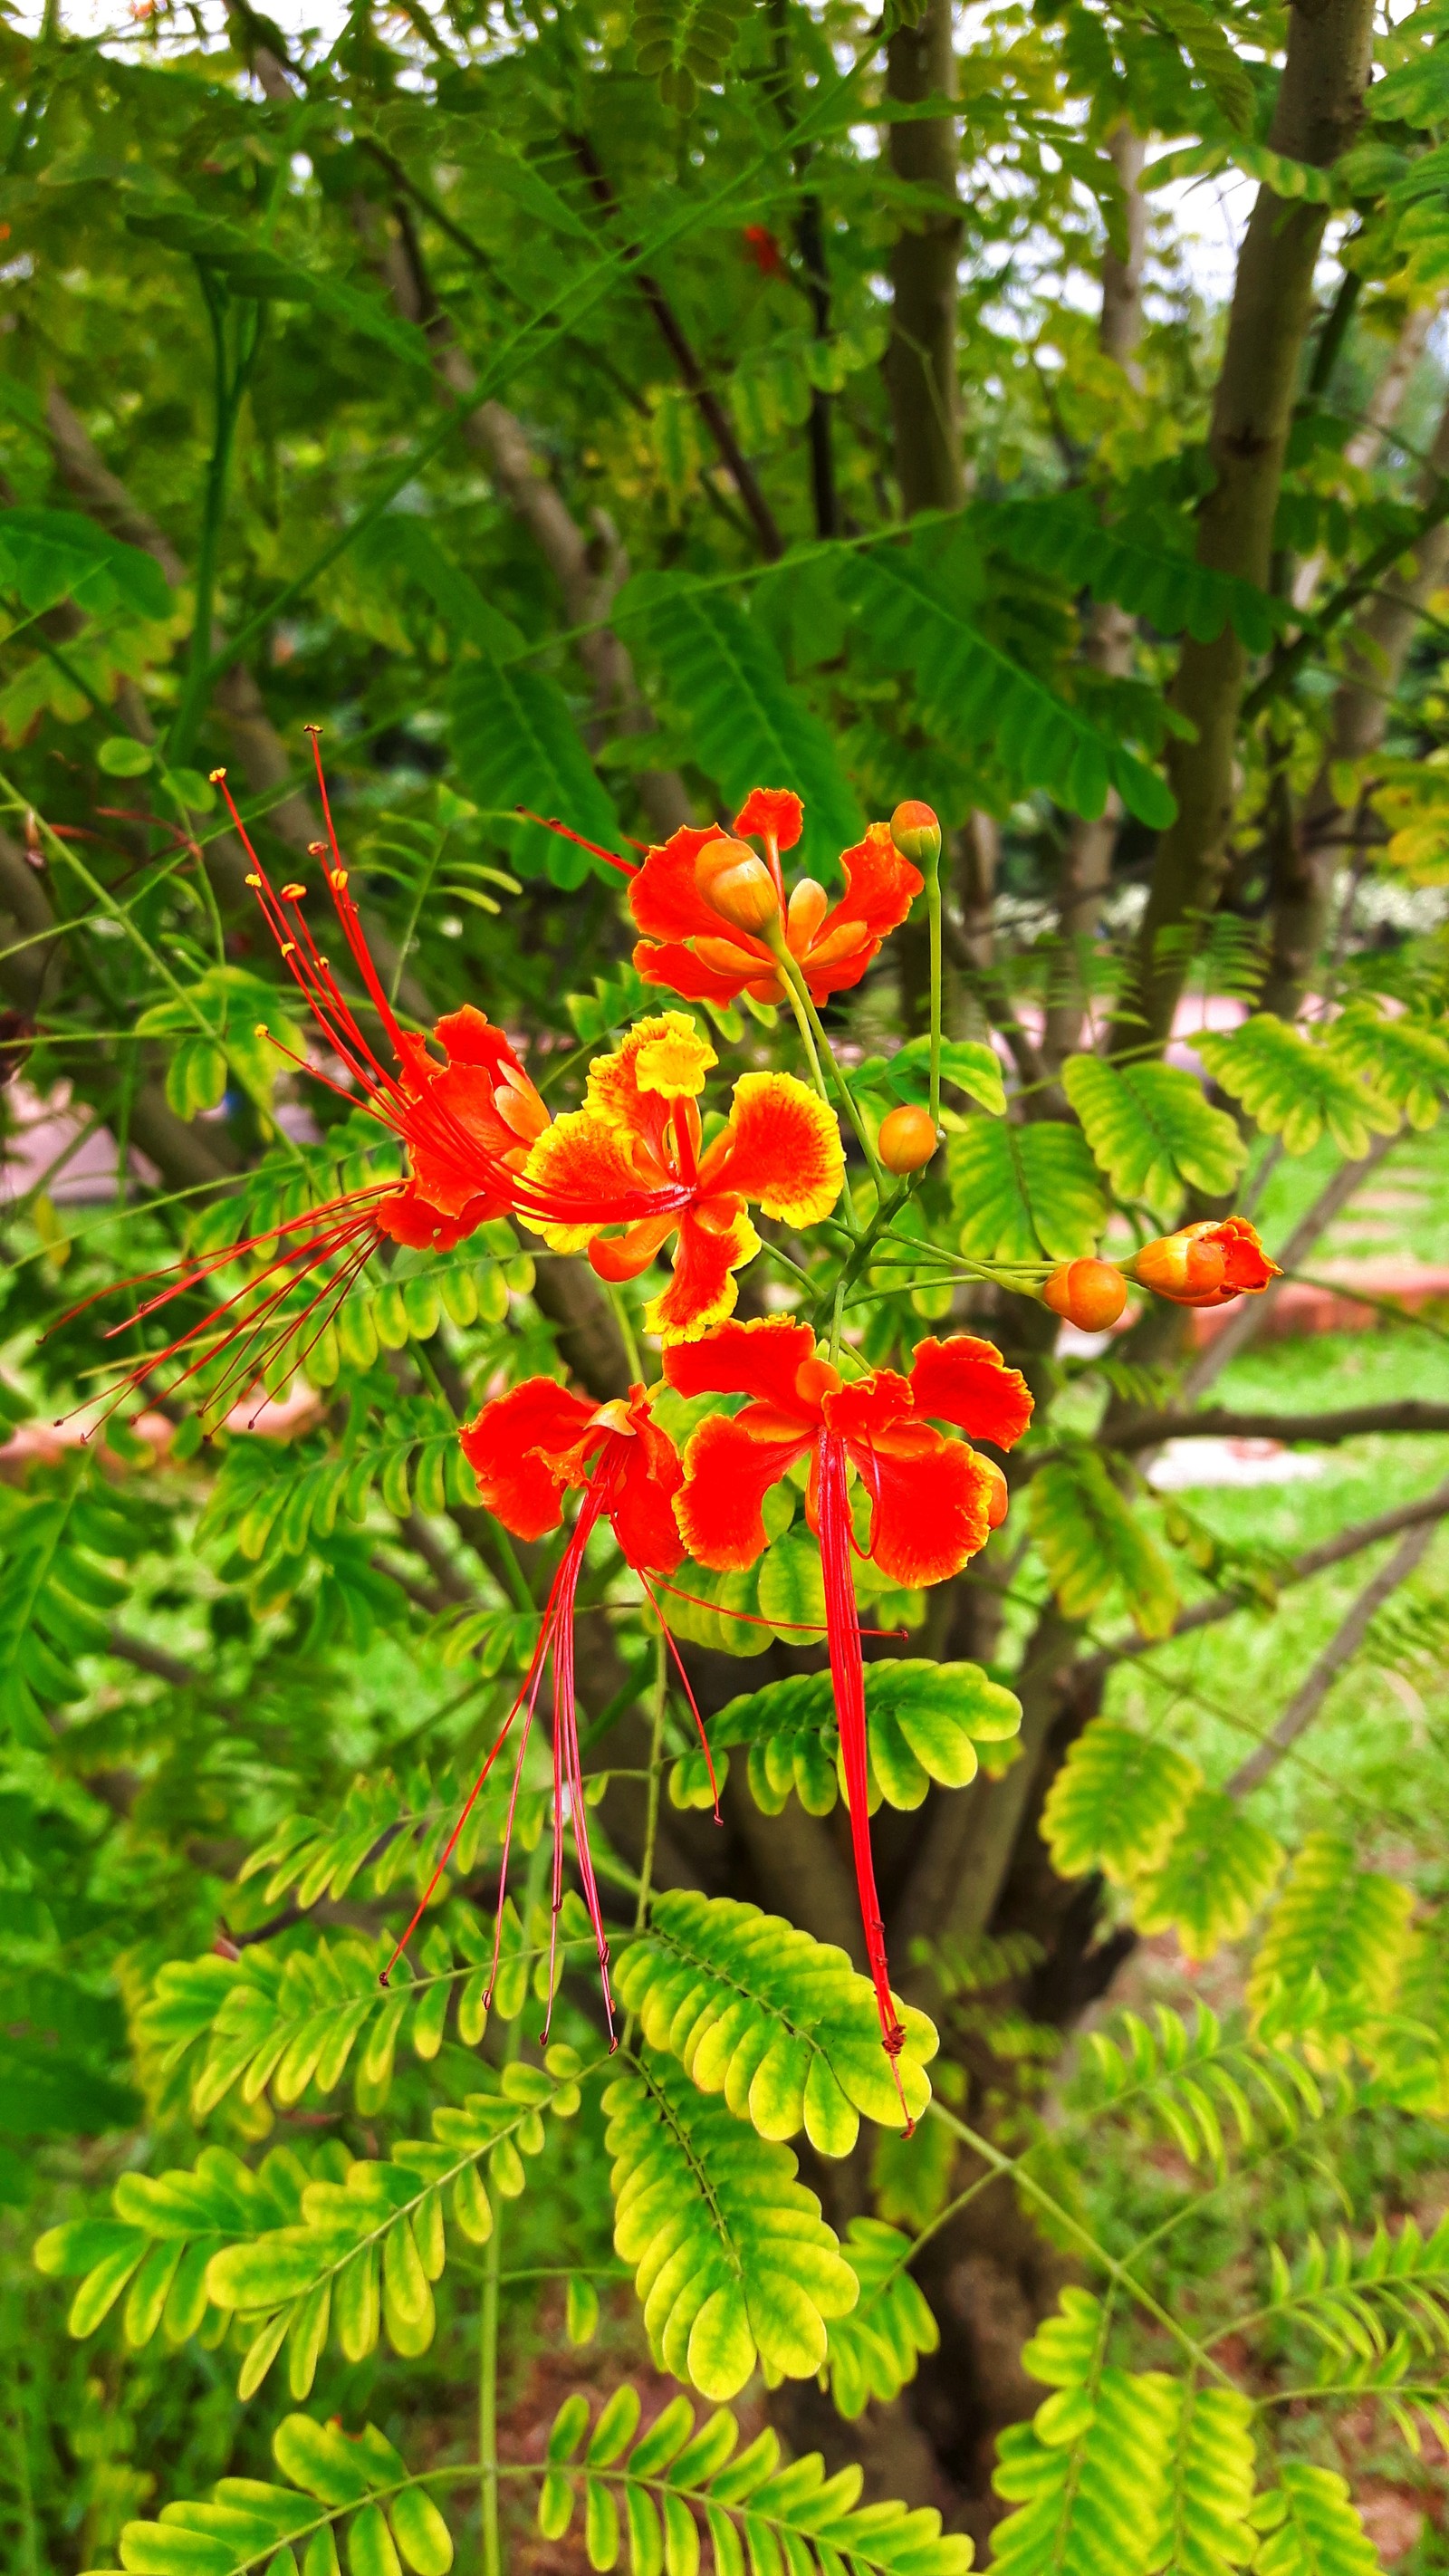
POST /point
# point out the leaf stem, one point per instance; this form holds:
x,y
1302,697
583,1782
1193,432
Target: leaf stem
x,y
933,916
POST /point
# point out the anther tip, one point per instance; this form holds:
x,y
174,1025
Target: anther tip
x,y
218,779
316,849
382,1979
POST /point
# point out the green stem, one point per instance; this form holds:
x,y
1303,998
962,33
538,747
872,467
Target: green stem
x,y
490,2546
230,383
627,1335
933,916
863,1134
656,1764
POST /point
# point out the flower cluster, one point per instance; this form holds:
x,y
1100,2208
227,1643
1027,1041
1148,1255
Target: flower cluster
x,y
641,1166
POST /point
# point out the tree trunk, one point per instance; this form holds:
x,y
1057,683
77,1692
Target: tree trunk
x,y
1087,858
1308,859
1320,102
921,359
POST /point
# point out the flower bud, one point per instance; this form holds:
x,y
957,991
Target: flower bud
x,y
1186,1266
907,1139
1089,1294
998,1495
916,833
736,884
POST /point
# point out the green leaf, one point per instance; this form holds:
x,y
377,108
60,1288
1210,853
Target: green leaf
x,y
1062,536
1090,2477
1116,1803
1311,2527
1096,1550
778,2022
121,756
747,726
1151,1131
1212,1878
733,2259
1335,1944
50,555
1295,1086
517,744
875,2350
1023,1193
924,1722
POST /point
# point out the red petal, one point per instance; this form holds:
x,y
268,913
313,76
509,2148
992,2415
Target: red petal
x,y
468,1038
868,1409
411,1219
762,1359
727,1473
968,1382
663,897
520,1451
771,813
677,967
643,1510
933,1500
1246,1264
702,1290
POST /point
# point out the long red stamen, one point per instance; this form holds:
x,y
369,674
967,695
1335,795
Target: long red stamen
x,y
550,823
688,1688
847,1672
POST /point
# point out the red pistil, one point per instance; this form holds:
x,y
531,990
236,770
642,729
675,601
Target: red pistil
x,y
847,1673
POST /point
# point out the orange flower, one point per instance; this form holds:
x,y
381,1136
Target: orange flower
x,y
934,1501
638,1137
1206,1264
527,1448
713,951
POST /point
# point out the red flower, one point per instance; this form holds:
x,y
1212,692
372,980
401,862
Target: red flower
x,y
712,951
467,1123
934,1502
1206,1264
527,1448
639,1132
762,247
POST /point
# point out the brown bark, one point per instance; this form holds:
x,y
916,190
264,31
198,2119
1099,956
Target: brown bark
x,y
1320,103
921,359
1309,858
1087,858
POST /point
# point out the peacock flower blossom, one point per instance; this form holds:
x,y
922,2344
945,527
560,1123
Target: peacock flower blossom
x,y
934,1501
528,1448
708,907
638,1136
1206,1264
467,1119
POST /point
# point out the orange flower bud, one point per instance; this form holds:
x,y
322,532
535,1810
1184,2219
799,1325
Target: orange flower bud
x,y
736,884
907,1139
1089,1294
1187,1266
999,1498
916,832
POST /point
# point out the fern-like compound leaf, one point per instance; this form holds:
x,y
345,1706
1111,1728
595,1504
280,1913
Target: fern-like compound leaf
x,y
1310,2526
1334,1947
733,2260
1152,1132
1213,1876
1116,1803
925,1722
781,2024
1024,1193
1295,1086
355,2482
875,2350
1098,1553
685,44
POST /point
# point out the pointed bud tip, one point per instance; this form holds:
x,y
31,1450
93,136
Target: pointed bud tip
x,y
916,832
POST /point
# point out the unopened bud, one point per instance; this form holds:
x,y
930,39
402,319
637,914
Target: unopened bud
x,y
737,885
916,833
1089,1294
1182,1266
907,1139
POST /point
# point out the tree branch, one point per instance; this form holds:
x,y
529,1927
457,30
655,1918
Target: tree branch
x,y
1321,1430
1314,1560
1308,1699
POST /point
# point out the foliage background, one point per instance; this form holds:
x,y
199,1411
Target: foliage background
x,y
540,401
